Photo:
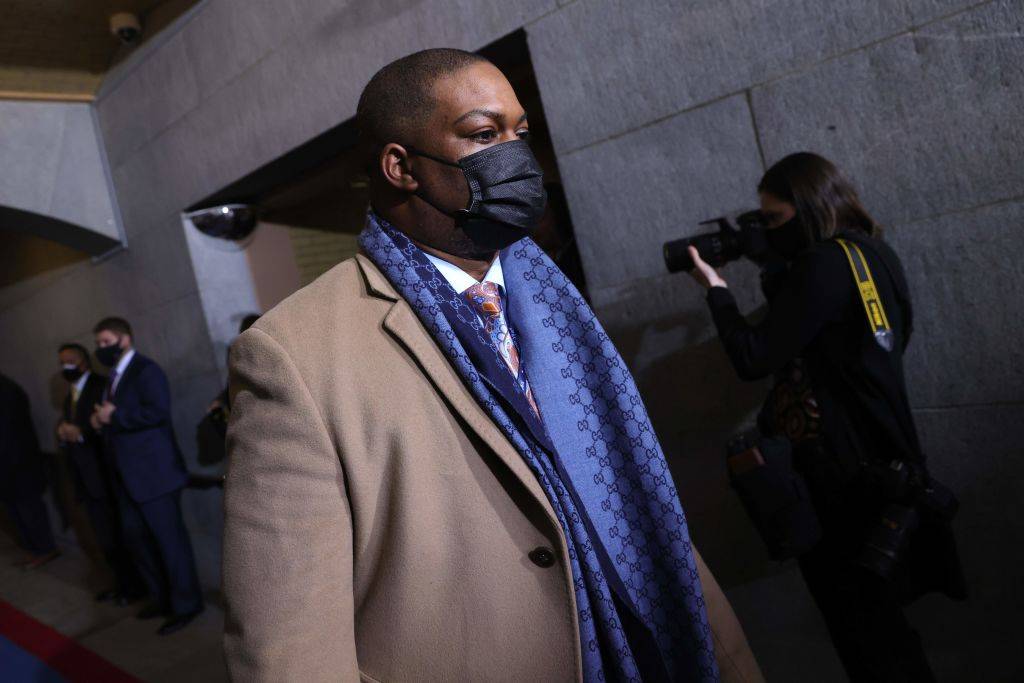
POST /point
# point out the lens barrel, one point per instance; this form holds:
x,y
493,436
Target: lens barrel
x,y
677,255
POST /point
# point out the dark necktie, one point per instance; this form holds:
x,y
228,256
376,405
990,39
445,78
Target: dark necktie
x,y
110,385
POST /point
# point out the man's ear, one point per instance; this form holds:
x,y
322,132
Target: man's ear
x,y
394,166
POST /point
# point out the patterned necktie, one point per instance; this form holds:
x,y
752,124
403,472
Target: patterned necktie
x,y
74,399
485,299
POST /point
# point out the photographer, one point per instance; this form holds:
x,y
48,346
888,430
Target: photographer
x,y
840,398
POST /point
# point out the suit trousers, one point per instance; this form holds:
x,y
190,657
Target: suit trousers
x,y
106,527
158,541
871,635
32,520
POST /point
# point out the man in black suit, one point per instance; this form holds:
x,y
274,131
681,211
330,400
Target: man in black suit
x,y
22,480
149,473
91,473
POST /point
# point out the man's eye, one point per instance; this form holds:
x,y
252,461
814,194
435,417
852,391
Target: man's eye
x,y
523,134
484,136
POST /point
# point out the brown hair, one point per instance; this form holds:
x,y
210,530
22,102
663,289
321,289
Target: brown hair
x,y
826,202
113,324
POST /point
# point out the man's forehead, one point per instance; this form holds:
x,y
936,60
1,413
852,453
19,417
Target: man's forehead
x,y
477,89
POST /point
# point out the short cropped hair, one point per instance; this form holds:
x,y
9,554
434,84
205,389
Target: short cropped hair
x,y
399,97
113,324
77,348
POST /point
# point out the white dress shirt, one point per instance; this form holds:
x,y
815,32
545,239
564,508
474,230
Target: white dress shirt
x,y
76,394
79,387
122,363
460,280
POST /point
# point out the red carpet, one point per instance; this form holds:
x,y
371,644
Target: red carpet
x,y
58,652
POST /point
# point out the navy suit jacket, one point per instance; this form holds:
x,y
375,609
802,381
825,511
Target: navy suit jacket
x,y
140,436
85,456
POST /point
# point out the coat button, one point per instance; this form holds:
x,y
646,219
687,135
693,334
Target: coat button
x,y
542,557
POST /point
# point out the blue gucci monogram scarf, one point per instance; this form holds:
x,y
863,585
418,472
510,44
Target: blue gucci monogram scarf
x,y
596,457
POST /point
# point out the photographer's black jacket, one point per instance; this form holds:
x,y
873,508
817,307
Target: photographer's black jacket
x,y
815,313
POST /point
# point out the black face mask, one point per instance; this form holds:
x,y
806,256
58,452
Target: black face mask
x,y
71,372
788,239
506,193
108,355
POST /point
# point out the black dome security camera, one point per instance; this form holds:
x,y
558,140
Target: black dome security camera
x,y
125,27
228,221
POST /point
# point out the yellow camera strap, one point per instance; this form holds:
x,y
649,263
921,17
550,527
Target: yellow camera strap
x,y
877,320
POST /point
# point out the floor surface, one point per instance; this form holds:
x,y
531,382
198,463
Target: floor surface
x,y
60,594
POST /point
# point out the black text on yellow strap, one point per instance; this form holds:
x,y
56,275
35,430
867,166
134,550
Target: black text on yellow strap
x,y
873,308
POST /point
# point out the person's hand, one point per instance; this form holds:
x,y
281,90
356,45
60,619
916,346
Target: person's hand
x,y
103,412
706,276
94,420
72,434
68,432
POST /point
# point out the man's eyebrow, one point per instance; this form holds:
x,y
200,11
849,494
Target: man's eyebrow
x,y
495,116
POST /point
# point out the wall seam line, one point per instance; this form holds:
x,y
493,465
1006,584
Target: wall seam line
x,y
804,68
757,132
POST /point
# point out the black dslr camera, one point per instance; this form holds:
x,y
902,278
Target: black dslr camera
x,y
909,493
718,248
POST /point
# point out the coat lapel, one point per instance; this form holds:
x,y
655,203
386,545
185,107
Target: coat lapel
x,y
501,382
403,324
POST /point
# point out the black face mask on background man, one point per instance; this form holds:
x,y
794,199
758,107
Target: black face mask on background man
x,y
506,193
71,373
787,240
108,355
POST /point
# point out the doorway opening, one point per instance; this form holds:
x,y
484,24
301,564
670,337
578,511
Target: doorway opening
x,y
312,201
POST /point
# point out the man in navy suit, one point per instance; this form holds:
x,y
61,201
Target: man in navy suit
x,y
148,475
90,471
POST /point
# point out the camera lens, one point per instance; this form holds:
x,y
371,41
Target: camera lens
x,y
677,255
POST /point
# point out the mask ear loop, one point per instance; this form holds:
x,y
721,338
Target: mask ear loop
x,y
458,214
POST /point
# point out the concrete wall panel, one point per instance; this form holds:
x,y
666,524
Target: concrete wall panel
x,y
631,194
54,169
30,143
925,123
149,98
967,280
616,66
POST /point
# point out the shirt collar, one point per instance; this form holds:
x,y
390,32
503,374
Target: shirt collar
x,y
123,361
80,382
460,280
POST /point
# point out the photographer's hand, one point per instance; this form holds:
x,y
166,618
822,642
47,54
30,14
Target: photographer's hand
x,y
706,276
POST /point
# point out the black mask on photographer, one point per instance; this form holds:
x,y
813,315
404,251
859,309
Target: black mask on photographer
x,y
787,240
108,355
71,373
506,193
